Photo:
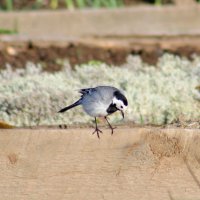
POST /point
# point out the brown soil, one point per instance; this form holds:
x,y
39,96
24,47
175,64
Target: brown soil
x,y
51,56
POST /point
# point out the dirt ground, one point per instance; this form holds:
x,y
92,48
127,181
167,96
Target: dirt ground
x,y
134,163
51,56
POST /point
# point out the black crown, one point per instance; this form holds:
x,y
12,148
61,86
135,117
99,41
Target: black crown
x,y
121,97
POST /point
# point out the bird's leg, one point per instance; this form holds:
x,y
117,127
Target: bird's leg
x,y
112,129
97,130
64,126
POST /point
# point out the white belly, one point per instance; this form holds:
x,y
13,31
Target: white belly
x,y
95,109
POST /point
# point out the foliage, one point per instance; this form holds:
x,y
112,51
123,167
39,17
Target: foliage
x,y
7,31
71,4
157,94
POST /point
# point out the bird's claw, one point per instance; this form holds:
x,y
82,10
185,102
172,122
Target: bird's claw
x,y
112,130
97,131
64,126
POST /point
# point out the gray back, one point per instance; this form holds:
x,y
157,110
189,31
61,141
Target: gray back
x,y
100,93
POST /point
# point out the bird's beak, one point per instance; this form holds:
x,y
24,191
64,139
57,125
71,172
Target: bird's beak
x,y
122,114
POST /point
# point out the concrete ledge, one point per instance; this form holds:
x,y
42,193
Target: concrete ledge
x,y
134,163
148,21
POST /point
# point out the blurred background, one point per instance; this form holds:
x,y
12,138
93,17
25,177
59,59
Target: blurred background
x,y
51,48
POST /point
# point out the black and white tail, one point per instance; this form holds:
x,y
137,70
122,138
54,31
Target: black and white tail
x,y
77,103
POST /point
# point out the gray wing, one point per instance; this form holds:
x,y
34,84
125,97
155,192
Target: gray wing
x,y
106,92
100,93
86,91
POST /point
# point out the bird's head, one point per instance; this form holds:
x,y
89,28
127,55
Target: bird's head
x,y
120,102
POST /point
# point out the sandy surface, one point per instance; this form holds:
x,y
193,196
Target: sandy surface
x,y
134,163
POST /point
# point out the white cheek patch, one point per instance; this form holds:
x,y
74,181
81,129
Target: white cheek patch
x,y
119,103
116,101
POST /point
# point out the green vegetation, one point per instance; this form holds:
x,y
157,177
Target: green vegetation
x,y
7,31
11,31
94,4
70,4
54,4
95,63
158,2
10,5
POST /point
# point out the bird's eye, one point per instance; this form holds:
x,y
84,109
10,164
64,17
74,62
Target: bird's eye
x,y
121,106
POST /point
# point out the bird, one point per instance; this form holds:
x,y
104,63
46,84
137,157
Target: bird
x,y
100,101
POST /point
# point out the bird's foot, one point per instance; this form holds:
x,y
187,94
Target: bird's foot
x,y
112,129
97,131
63,126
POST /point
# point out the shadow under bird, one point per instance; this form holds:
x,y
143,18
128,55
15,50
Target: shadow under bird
x,y
100,101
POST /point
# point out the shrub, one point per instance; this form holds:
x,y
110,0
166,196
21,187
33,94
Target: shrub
x,y
156,94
